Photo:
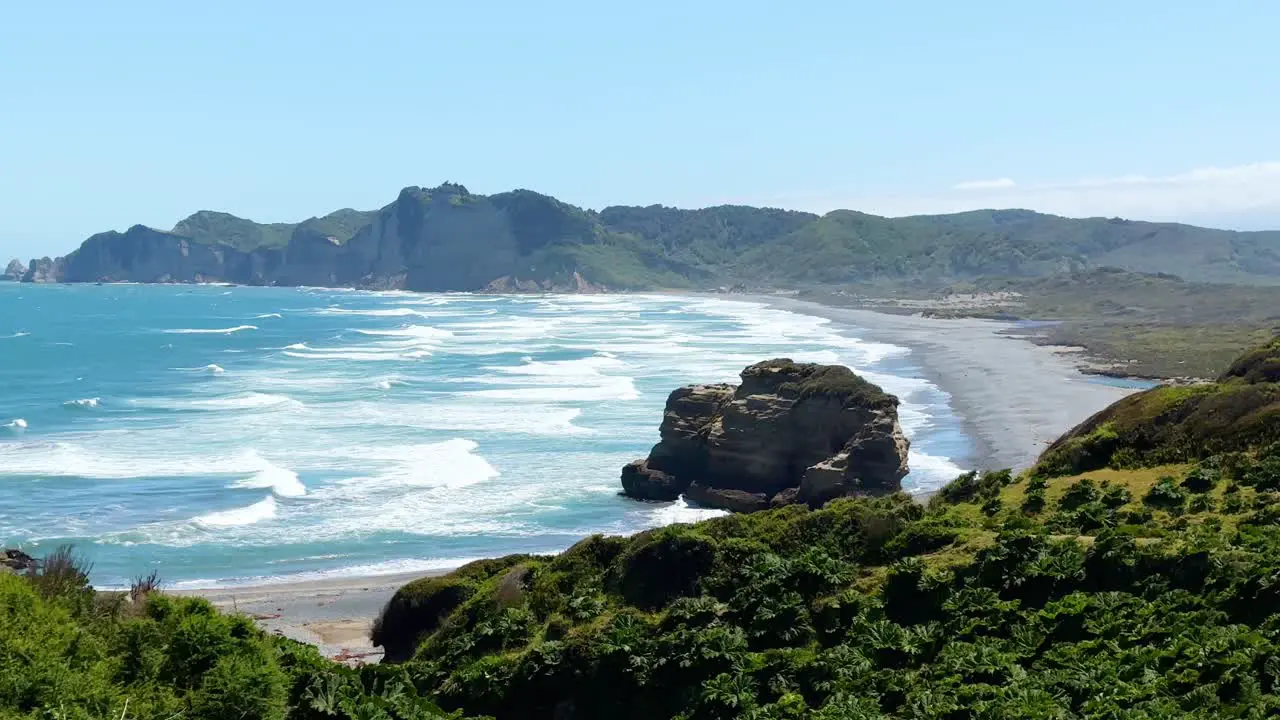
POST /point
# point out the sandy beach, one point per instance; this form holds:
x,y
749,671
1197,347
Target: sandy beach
x,y
1015,397
334,615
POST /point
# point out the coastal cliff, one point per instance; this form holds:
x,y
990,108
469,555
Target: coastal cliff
x,y
789,433
441,239
14,271
448,238
45,270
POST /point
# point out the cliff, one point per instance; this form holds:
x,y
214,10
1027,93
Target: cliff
x,y
441,239
448,238
45,270
790,432
14,271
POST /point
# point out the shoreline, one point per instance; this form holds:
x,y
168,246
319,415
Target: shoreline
x,y
1011,395
334,615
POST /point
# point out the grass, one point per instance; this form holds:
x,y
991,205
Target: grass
x,y
1145,325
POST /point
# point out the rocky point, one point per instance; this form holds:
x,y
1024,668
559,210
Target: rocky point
x,y
789,433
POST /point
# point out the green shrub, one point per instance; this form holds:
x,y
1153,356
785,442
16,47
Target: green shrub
x,y
663,566
237,686
1078,493
1165,495
1199,480
416,610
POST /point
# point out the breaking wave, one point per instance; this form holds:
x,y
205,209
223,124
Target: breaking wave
x,y
83,403
211,331
264,509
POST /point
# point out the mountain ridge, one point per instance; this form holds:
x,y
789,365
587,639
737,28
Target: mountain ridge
x,y
447,238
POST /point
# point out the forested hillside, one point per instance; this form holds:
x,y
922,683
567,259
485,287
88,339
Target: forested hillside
x,y
447,238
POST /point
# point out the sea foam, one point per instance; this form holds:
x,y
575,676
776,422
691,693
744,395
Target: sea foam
x,y
211,331
83,403
282,481
264,509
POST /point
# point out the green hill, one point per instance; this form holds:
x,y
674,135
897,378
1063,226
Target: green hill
x,y
625,247
1180,424
210,227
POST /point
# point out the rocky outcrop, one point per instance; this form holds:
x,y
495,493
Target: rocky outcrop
x,y
45,270
791,432
143,254
16,561
575,283
14,271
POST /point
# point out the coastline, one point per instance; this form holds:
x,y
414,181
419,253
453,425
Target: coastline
x,y
1012,396
333,614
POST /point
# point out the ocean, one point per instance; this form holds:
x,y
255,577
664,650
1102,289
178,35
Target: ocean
x,y
237,435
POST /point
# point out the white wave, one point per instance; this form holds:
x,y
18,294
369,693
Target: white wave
x,y
282,481
383,385
417,332
264,509
929,472
681,512
515,419
214,369
449,464
608,388
390,567
243,401
265,316
356,356
14,336
211,331
380,312
83,403
17,424
587,368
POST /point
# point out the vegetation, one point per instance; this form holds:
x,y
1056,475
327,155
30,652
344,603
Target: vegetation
x,y
1179,424
1151,325
810,379
1143,587
67,651
656,246
1134,594
211,227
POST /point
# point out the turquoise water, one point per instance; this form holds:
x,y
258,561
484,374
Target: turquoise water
x,y
230,435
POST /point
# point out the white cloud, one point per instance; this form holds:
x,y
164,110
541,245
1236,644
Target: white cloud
x,y
997,184
1243,196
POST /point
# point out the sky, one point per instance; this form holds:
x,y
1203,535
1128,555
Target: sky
x,y
113,114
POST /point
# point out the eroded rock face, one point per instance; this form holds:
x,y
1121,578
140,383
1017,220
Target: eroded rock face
x,y
791,432
16,561
14,271
45,270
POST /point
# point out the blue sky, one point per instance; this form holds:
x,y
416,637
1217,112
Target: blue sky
x,y
143,112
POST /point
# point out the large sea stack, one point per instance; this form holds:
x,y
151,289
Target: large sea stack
x,y
791,432
14,271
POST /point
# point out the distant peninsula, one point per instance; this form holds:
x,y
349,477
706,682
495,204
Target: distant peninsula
x,y
449,239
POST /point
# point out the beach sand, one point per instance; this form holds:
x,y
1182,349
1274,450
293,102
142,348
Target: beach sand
x,y
1014,397
334,615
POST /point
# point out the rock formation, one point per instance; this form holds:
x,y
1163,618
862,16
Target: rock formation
x,y
14,271
791,432
45,270
439,239
16,561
